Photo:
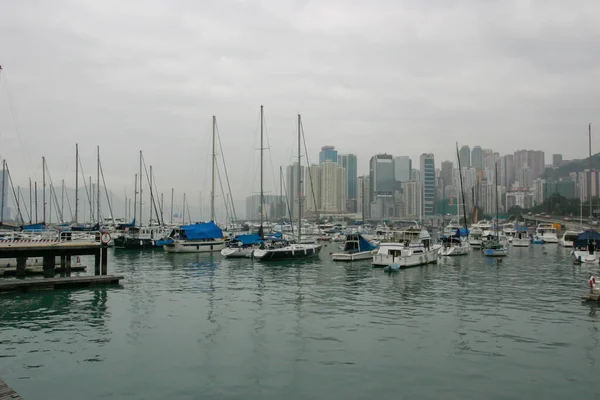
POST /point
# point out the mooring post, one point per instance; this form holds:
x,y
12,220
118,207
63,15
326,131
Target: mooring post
x,y
67,265
104,259
48,265
97,262
21,262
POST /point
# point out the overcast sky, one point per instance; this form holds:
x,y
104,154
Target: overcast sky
x,y
402,77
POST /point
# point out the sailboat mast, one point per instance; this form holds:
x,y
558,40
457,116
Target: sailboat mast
x,y
135,192
98,185
183,211
3,187
281,209
461,194
214,161
62,200
43,189
299,185
496,194
36,202
76,182
30,202
261,171
172,195
590,167
151,195
162,213
140,188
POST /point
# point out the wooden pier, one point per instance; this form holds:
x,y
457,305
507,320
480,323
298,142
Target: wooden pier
x,y
25,285
39,270
7,393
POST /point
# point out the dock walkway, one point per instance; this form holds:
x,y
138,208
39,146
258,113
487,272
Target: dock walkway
x,y
58,283
7,393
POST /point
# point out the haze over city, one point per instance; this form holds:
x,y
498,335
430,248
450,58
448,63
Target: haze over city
x,y
402,78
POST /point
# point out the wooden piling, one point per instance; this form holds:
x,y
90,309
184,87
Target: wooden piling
x,y
104,259
48,264
97,262
67,265
21,263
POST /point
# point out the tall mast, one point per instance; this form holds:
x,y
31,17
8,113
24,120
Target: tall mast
x,y
461,194
590,167
151,195
183,211
98,186
36,203
172,195
162,213
135,192
141,188
281,208
30,202
363,200
214,161
91,199
76,181
496,187
299,186
3,187
261,172
62,200
43,189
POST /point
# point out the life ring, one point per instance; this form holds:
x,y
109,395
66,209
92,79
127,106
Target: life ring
x,y
78,260
592,281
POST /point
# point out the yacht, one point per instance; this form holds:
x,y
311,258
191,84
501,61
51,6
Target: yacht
x,y
356,248
586,247
475,237
454,246
139,237
452,227
196,238
547,233
410,253
521,238
509,231
568,238
242,246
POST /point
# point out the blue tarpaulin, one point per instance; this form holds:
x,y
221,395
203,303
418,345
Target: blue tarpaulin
x,y
587,237
207,230
364,244
248,239
35,227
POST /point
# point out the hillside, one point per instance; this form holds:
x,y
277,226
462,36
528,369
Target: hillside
x,y
572,166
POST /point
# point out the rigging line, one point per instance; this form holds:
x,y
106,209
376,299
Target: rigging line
x,y
14,194
223,194
20,195
53,193
270,154
289,209
151,191
106,192
85,186
15,116
312,186
225,169
69,206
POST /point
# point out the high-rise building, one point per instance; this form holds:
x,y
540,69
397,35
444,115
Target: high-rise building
x,y
312,185
272,208
476,158
362,203
291,174
506,175
333,187
429,187
525,178
381,172
349,163
557,160
328,153
412,195
465,157
539,187
415,175
447,173
532,159
402,169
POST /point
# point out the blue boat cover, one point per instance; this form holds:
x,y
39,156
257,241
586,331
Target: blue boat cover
x,y
364,244
164,242
207,230
131,225
35,227
586,237
248,239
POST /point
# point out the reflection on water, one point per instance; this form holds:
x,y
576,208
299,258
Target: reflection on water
x,y
209,328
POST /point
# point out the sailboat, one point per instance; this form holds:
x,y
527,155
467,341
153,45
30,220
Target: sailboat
x,y
242,246
493,247
290,251
203,237
453,244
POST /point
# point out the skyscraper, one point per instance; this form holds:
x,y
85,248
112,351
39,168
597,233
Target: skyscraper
x,y
476,158
362,204
557,160
333,187
402,169
465,157
328,153
412,199
312,189
506,171
349,163
382,182
429,188
291,174
446,175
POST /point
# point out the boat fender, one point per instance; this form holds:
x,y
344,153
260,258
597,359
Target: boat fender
x,y
78,260
592,282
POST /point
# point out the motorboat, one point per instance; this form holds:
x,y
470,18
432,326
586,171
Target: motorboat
x,y
139,237
547,233
521,240
285,250
196,238
495,249
356,247
407,254
475,237
454,245
509,231
586,248
568,238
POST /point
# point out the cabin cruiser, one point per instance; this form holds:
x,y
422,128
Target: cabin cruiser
x,y
568,238
586,248
356,248
475,237
454,246
410,253
139,237
509,231
547,233
452,227
521,239
196,238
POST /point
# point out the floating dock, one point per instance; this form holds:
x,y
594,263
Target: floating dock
x,y
7,393
25,285
39,270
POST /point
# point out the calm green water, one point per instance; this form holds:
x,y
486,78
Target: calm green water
x,y
198,326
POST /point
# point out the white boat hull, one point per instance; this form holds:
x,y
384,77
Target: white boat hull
x,y
237,252
495,252
184,246
521,242
290,252
475,242
455,251
566,243
549,238
586,257
406,261
361,255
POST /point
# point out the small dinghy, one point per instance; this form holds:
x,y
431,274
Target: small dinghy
x,y
392,268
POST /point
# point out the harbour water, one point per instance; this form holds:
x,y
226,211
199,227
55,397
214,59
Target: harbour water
x,y
187,326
